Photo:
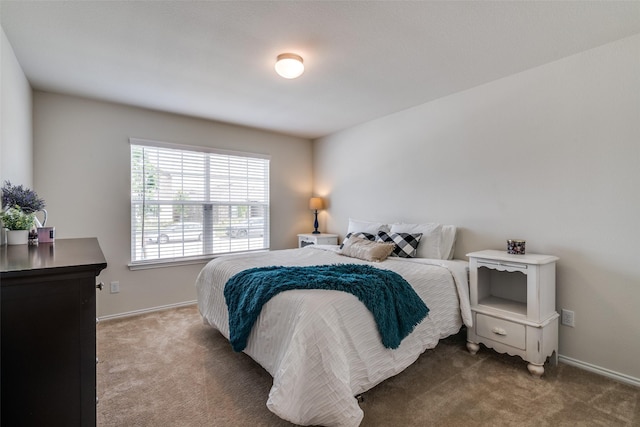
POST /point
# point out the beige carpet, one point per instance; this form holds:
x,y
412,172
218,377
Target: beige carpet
x,y
168,369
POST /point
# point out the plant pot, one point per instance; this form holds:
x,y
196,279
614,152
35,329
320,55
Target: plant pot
x,y
17,237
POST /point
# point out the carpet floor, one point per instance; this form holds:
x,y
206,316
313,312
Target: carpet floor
x,y
169,369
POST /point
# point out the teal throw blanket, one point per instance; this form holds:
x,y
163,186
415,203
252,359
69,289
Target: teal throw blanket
x,y
396,307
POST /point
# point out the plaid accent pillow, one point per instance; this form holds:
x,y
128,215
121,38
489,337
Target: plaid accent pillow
x,y
406,243
367,236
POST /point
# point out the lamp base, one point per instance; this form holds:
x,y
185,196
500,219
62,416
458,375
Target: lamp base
x,y
315,224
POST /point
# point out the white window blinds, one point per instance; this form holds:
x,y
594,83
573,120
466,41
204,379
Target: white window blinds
x,y
192,202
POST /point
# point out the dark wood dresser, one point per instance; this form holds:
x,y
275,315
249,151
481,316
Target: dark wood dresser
x,y
48,326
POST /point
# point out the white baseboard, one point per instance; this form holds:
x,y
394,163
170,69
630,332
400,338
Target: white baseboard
x,y
147,310
627,379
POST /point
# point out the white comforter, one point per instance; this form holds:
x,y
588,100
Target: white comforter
x,y
322,347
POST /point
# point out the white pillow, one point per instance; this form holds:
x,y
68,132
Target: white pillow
x,y
357,226
430,244
448,241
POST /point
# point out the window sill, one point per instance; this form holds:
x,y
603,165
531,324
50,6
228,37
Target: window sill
x,y
162,263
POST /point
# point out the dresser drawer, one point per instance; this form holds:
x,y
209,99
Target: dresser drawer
x,y
502,331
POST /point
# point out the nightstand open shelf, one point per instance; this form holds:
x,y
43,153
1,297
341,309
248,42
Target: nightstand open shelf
x,y
513,306
317,239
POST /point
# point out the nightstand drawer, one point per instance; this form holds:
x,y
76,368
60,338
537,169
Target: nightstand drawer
x,y
502,331
503,266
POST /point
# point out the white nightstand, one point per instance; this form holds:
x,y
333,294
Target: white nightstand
x,y
317,239
514,306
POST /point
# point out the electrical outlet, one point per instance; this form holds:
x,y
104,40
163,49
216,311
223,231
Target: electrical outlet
x,y
568,318
115,287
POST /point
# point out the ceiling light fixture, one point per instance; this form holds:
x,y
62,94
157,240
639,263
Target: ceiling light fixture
x,y
289,65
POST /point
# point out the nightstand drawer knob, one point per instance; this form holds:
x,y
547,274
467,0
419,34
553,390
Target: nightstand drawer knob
x,y
499,331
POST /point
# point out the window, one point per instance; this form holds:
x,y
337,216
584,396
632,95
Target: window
x,y
194,202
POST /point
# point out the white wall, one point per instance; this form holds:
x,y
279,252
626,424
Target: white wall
x,y
550,155
16,140
15,119
81,158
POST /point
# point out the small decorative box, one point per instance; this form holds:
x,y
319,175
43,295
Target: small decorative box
x,y
46,234
515,247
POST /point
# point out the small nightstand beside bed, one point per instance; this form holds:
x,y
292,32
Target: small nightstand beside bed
x,y
323,347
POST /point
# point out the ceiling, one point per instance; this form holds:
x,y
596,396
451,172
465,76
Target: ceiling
x,y
363,59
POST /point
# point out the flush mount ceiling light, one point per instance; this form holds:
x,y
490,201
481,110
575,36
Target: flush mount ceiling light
x,y
289,65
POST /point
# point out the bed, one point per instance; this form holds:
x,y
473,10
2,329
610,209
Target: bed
x,y
322,347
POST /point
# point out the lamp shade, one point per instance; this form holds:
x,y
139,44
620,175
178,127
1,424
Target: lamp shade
x,y
316,203
289,65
